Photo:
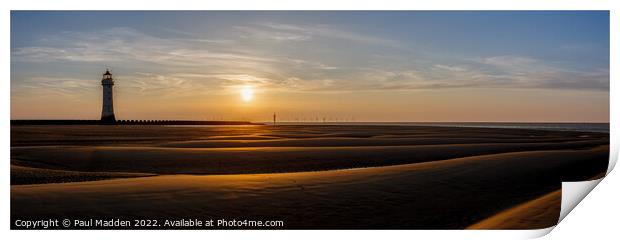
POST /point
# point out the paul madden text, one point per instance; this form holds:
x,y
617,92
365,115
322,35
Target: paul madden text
x,y
116,223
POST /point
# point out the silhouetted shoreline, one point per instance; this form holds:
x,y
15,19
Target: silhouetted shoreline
x,y
129,122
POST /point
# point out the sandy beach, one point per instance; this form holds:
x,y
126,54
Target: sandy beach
x,y
309,177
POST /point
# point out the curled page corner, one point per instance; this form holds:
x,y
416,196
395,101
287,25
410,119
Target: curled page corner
x,y
613,153
539,232
573,193
505,234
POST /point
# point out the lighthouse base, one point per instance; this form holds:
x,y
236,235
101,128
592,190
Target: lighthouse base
x,y
110,119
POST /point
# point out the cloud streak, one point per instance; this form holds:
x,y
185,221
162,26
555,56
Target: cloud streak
x,y
186,65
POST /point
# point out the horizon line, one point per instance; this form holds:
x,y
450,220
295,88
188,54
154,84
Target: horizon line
x,y
202,120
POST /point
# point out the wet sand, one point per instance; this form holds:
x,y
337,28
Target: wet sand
x,y
535,214
325,177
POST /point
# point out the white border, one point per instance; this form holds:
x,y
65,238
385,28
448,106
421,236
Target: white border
x,y
284,5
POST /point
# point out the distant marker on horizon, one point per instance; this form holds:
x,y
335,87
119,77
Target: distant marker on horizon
x,y
274,118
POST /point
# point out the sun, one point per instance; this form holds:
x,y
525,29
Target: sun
x,y
247,94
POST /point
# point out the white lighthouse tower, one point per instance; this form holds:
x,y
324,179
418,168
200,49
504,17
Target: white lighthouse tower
x,y
107,111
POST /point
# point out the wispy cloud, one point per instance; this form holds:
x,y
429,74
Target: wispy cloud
x,y
186,65
528,72
126,44
290,32
279,36
70,88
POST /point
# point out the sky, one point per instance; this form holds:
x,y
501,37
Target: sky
x,y
418,66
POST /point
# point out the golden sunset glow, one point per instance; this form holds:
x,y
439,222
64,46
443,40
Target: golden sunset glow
x,y
273,120
312,66
247,94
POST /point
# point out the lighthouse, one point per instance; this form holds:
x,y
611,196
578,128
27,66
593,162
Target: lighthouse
x,y
107,110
